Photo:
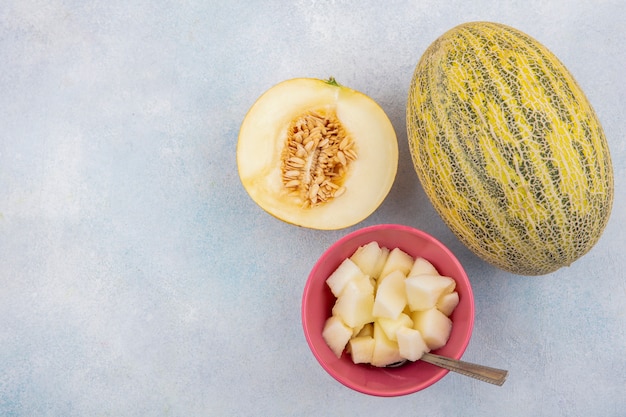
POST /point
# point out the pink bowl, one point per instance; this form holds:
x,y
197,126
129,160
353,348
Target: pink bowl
x,y
317,303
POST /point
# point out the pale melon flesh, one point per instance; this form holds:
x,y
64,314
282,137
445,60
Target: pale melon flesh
x,y
323,177
384,320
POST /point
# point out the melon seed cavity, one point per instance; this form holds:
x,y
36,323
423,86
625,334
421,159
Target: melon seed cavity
x,y
316,157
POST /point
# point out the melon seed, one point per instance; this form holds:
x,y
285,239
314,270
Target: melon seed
x,y
315,158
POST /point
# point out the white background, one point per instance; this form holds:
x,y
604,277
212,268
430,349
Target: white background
x,y
137,278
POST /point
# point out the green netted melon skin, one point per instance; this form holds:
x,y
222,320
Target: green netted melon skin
x,y
508,149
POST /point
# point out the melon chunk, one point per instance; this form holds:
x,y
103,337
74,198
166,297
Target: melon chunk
x,y
391,326
382,259
434,326
361,349
336,334
423,291
386,351
355,305
362,284
398,260
390,296
366,330
448,302
411,344
422,266
370,258
347,271
317,154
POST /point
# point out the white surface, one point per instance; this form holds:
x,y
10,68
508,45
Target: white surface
x,y
139,279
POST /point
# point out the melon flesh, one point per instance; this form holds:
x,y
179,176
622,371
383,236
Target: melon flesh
x,y
383,321
391,326
355,304
266,138
346,272
336,334
434,326
422,266
423,291
370,258
448,302
398,260
390,296
386,351
411,344
362,349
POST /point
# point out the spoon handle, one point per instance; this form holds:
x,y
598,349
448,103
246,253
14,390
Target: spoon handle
x,y
480,372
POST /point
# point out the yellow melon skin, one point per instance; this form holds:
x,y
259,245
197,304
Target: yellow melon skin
x,y
262,140
508,149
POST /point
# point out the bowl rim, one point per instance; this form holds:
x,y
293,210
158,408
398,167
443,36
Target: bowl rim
x,y
464,342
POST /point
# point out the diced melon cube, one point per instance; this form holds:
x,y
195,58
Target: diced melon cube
x,y
345,272
362,349
380,263
398,260
366,330
390,296
411,344
448,302
434,326
423,291
386,351
366,257
391,326
362,284
354,306
357,330
421,266
336,334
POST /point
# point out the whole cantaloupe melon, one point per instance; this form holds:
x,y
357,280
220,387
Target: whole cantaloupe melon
x,y
508,149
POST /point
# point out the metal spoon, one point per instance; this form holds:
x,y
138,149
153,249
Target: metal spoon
x,y
483,373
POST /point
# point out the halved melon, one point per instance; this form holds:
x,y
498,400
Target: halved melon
x,y
317,154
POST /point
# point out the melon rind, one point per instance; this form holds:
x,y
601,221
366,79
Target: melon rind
x,y
508,149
